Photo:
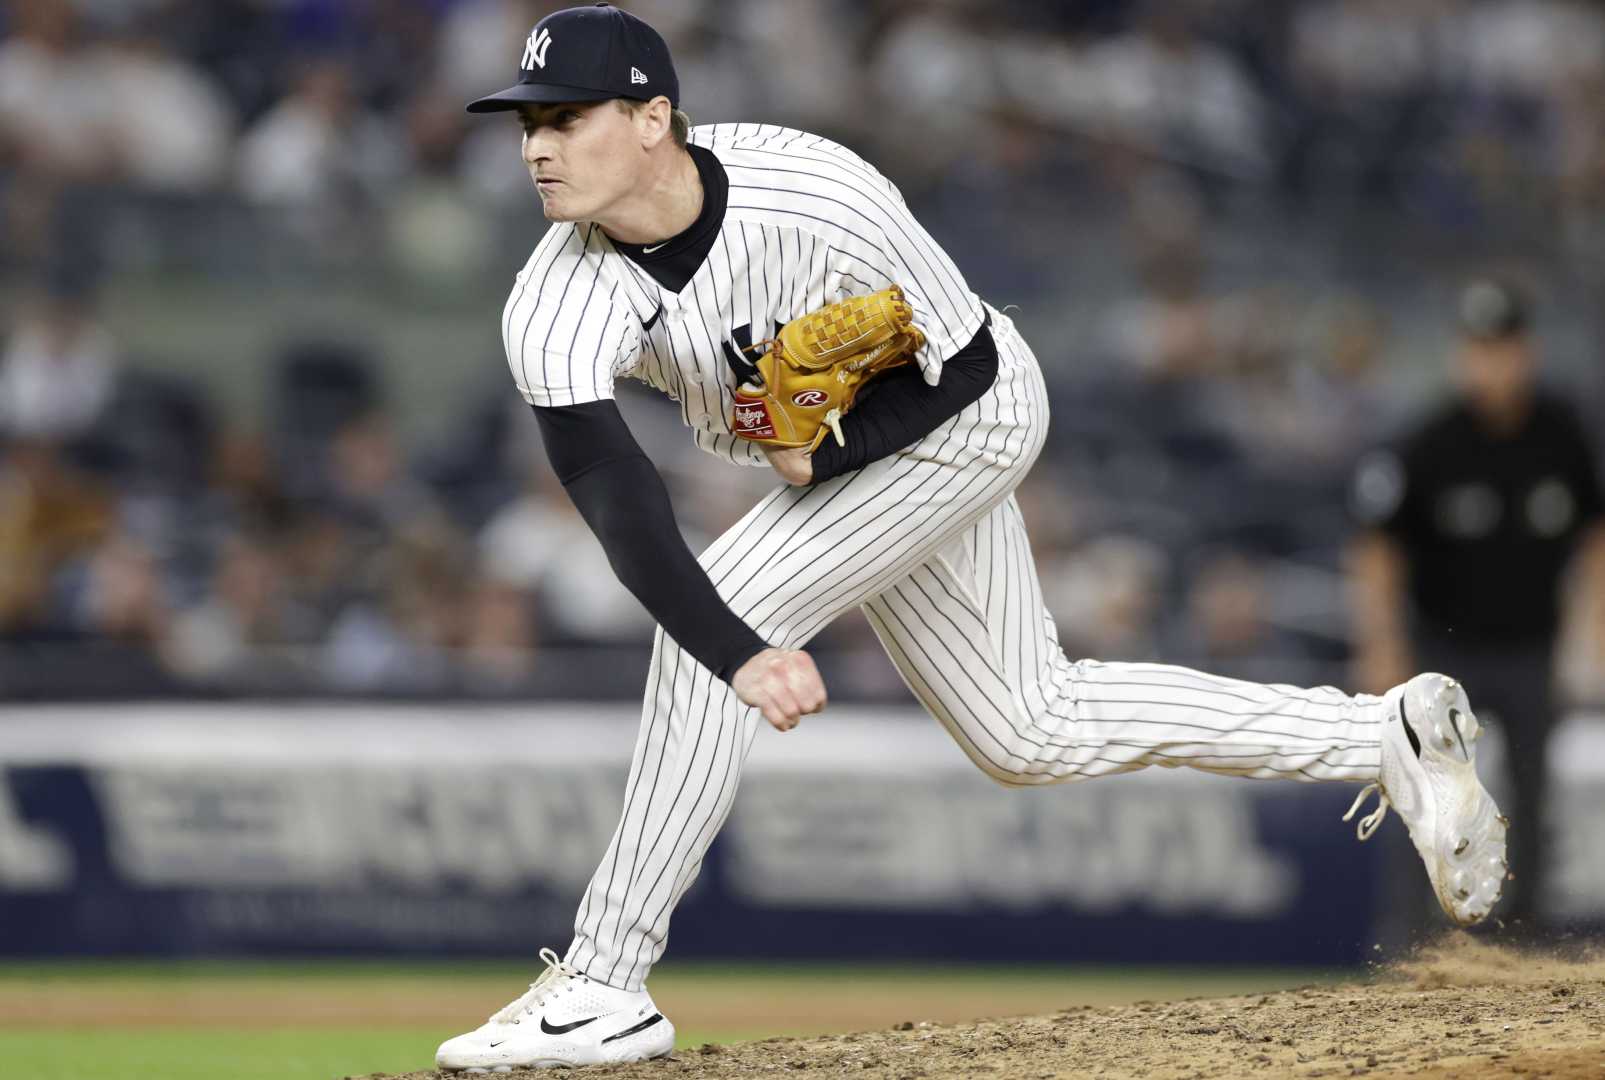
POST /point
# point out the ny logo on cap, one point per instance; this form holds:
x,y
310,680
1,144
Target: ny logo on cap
x,y
535,48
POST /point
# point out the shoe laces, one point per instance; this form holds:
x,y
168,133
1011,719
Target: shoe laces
x,y
1368,824
556,978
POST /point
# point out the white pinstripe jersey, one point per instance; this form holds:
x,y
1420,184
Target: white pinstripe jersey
x,y
808,222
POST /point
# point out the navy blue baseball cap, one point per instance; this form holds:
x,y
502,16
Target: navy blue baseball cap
x,y
588,54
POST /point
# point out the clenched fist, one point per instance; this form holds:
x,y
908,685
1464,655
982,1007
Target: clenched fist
x,y
783,683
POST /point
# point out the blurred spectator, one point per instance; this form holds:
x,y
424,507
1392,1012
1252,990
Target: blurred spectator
x,y
438,238
58,367
1340,399
50,98
49,514
319,148
499,638
1364,71
228,638
153,444
368,481
319,387
324,565
396,633
168,124
245,489
1230,623
392,45
1525,48
798,55
480,465
121,597
1105,598
1366,54
1580,162
1167,334
1010,164
539,543
932,74
1177,395
1165,90
1226,611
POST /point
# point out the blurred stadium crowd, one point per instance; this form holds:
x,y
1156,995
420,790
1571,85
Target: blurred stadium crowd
x,y
1231,228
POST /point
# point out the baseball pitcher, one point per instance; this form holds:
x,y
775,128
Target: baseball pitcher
x,y
775,285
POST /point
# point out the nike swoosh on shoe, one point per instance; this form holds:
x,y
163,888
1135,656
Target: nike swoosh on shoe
x,y
562,1029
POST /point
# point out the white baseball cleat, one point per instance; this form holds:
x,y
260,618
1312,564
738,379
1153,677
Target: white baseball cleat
x,y
1429,774
564,1018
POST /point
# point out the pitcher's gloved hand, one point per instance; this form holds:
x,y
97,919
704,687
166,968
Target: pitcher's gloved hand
x,y
795,389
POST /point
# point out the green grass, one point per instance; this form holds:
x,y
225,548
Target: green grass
x,y
70,1047
204,1054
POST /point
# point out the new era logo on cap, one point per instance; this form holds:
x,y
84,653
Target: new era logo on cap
x,y
605,53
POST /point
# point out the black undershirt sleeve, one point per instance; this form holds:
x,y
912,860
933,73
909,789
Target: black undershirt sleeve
x,y
622,498
899,408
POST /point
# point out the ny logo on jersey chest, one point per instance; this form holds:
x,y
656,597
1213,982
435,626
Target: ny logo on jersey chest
x,y
742,356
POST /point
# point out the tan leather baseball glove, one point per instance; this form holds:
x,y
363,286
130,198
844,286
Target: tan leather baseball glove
x,y
807,377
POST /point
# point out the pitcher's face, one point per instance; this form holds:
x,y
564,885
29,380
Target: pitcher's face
x,y
582,156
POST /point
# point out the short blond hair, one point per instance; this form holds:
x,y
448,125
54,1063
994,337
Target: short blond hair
x,y
679,121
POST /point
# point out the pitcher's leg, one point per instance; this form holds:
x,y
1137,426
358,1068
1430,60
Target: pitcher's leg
x,y
694,738
796,561
971,636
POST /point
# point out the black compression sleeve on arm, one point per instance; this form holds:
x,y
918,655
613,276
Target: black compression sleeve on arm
x,y
622,498
901,409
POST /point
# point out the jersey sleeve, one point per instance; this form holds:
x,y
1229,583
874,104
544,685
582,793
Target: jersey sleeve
x,y
894,248
622,498
566,339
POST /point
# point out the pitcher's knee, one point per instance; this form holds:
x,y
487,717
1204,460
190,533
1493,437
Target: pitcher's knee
x,y
1016,761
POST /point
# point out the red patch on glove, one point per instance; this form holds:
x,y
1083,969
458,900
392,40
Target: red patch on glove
x,y
750,417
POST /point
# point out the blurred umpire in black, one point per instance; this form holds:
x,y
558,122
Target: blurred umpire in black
x,y
1470,523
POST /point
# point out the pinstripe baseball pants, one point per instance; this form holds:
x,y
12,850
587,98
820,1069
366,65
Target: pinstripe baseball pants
x,y
929,542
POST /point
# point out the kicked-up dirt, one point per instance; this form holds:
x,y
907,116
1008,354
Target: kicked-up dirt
x,y
1461,1009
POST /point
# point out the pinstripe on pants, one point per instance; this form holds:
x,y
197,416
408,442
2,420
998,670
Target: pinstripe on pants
x,y
930,543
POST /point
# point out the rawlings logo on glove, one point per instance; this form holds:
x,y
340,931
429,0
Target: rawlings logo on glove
x,y
751,421
804,380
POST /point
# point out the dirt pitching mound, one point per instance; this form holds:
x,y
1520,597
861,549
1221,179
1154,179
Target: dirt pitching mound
x,y
1458,1009
1462,960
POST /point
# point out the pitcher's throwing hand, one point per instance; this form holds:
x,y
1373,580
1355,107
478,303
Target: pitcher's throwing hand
x,y
783,683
